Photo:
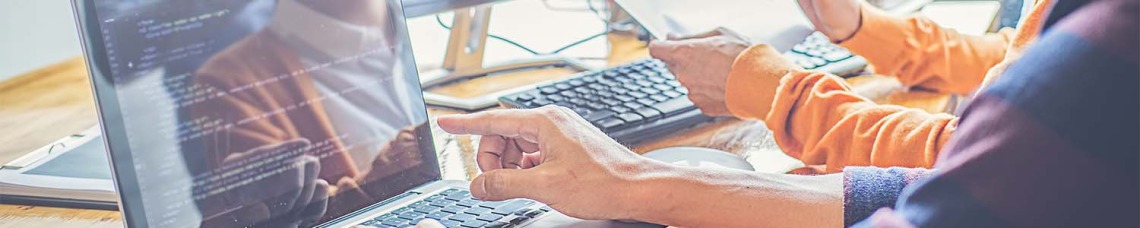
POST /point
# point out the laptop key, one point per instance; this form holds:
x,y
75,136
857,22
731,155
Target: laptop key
x,y
397,222
477,211
513,206
462,217
439,215
451,223
411,215
468,203
474,223
497,224
489,217
454,209
426,208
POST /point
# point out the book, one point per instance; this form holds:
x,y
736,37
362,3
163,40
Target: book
x,y
71,172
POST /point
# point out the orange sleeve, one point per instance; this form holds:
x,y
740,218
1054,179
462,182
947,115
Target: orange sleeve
x,y
922,54
816,118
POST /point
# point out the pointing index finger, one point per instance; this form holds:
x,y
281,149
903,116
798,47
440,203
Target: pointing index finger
x,y
524,124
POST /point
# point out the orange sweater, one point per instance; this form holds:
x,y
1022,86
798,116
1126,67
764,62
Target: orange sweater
x,y
816,118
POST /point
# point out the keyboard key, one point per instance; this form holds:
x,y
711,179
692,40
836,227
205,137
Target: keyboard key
x,y
474,223
462,217
576,82
662,87
595,106
453,209
562,86
674,107
632,87
397,222
477,211
568,94
577,102
836,56
646,101
659,97
619,109
644,83
636,94
540,102
438,215
619,90
426,208
412,215
650,114
650,91
511,207
519,220
442,203
468,202
583,90
673,83
489,217
547,90
630,118
671,94
624,98
497,224
556,98
609,124
633,105
524,97
610,102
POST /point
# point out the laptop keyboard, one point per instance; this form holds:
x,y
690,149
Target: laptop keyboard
x,y
457,208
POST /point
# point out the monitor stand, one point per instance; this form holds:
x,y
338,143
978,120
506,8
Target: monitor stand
x,y
464,61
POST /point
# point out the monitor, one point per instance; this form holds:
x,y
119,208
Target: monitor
x,y
224,113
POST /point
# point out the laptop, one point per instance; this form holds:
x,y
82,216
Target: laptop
x,y
274,113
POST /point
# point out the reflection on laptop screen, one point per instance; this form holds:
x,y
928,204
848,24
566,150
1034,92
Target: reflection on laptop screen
x,y
265,112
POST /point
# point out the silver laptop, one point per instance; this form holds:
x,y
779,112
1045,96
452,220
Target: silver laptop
x,y
273,113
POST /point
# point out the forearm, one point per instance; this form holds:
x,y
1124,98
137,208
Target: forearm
x,y
816,118
923,54
691,197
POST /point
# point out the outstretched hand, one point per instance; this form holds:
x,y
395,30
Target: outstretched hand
x,y
552,155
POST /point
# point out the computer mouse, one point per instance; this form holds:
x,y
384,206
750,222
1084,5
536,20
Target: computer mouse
x,y
699,157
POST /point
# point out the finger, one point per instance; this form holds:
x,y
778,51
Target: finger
x,y
512,123
503,184
490,153
531,160
310,168
318,204
512,155
429,223
664,50
527,146
705,34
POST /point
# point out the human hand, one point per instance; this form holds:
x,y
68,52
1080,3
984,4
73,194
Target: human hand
x,y
701,63
552,155
429,223
294,197
838,19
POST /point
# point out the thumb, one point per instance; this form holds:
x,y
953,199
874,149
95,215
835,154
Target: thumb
x,y
504,184
429,223
664,50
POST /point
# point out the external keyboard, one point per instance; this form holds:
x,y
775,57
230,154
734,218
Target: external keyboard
x,y
818,53
457,208
630,103
643,100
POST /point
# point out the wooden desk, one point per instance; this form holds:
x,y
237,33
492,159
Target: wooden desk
x,y
45,105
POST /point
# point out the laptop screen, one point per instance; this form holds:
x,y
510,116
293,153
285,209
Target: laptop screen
x,y
257,113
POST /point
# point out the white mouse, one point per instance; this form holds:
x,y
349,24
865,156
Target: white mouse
x,y
699,157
